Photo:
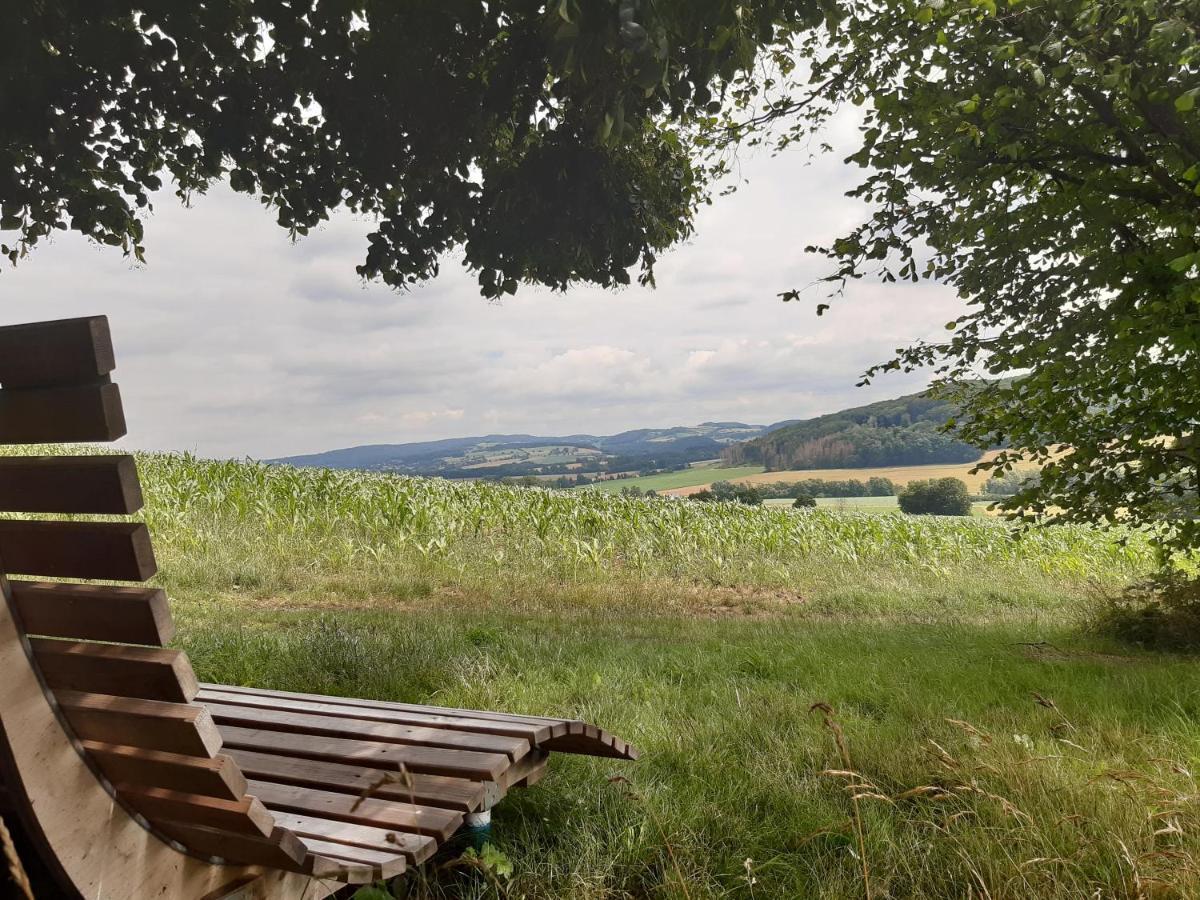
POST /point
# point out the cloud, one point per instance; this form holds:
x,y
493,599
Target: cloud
x,y
233,340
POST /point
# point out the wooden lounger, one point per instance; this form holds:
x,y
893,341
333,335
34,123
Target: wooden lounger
x,y
133,779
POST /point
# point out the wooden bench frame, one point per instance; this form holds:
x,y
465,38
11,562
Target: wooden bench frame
x,y
135,780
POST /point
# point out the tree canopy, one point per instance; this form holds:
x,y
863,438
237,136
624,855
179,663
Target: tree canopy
x,y
547,140
935,497
1041,158
1044,160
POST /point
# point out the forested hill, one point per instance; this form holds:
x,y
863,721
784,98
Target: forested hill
x,y
900,432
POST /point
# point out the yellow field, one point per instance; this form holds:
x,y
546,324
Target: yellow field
x,y
901,475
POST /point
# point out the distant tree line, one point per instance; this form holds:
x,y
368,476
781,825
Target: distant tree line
x,y
807,489
854,447
902,432
1010,483
820,487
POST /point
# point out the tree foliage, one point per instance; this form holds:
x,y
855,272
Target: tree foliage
x,y
547,140
1044,160
900,432
728,492
935,497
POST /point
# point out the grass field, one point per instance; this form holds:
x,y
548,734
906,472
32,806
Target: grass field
x,y
995,748
695,477
901,475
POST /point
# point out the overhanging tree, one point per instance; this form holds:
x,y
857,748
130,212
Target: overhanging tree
x,y
1043,158
541,138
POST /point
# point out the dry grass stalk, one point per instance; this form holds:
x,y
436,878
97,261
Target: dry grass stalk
x,y
839,738
402,778
15,870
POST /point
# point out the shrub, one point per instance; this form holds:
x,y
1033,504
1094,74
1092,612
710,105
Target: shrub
x,y
1162,613
880,487
742,493
805,501
936,497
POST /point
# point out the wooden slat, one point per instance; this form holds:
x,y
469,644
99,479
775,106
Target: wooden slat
x,y
394,757
244,816
148,673
415,848
112,551
566,735
375,865
90,412
282,850
70,484
336,706
429,790
94,612
386,814
324,868
65,351
365,729
529,770
217,777
557,726
600,744
149,724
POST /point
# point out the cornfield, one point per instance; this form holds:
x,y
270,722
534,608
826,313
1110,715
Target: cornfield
x,y
336,519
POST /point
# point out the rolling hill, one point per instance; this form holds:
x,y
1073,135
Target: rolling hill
x,y
901,432
496,456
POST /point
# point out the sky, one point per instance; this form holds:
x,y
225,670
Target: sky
x,y
233,341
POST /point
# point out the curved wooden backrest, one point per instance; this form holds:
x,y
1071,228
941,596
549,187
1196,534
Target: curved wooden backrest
x,y
93,706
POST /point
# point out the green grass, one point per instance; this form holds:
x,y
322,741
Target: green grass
x,y
733,762
669,480
997,750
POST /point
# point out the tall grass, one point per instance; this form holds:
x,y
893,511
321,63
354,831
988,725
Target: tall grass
x,y
988,747
278,529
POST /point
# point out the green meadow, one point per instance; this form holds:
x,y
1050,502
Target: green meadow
x,y
975,738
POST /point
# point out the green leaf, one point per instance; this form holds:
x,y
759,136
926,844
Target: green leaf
x,y
1185,262
495,860
1186,102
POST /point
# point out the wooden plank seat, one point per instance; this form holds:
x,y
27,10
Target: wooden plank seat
x,y
219,790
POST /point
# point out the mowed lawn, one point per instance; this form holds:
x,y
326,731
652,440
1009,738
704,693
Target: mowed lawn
x,y
992,746
900,475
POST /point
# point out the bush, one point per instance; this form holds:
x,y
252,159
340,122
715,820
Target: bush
x,y
880,487
936,497
727,491
1162,613
637,493
805,501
